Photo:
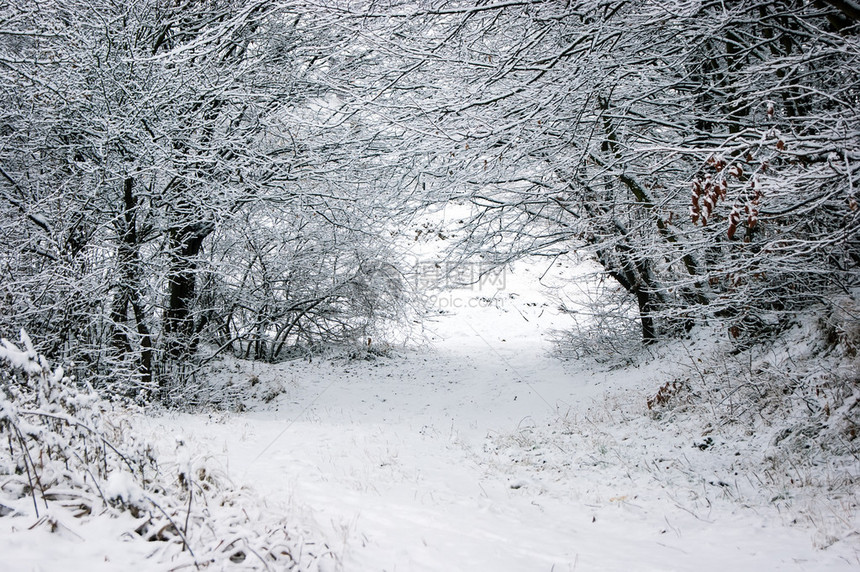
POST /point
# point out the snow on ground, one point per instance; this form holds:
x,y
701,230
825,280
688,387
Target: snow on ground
x,y
73,545
482,452
477,451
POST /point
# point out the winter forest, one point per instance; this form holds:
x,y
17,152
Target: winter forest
x,y
430,285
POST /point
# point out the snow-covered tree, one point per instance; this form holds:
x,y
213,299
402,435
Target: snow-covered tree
x,y
230,170
703,154
137,137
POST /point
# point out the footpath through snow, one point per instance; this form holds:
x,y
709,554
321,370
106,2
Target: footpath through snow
x,y
484,453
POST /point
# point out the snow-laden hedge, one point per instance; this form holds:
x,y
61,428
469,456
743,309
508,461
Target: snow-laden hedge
x,y
68,452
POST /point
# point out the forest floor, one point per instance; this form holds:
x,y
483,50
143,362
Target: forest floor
x,y
481,451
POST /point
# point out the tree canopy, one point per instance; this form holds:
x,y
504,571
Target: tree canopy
x,y
233,172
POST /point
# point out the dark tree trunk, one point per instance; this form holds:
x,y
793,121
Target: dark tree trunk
x,y
634,276
649,330
128,256
186,243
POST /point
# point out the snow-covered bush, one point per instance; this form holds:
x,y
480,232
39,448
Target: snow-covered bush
x,y
605,326
70,453
803,388
798,399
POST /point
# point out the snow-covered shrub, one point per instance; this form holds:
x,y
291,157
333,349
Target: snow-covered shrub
x,y
69,452
796,403
670,395
840,324
605,328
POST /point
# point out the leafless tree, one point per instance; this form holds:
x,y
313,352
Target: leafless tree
x,y
704,154
136,137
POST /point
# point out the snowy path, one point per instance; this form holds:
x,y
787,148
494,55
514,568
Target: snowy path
x,y
424,463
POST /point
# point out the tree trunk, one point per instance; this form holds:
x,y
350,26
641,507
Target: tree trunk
x,y
649,330
634,276
128,260
186,244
